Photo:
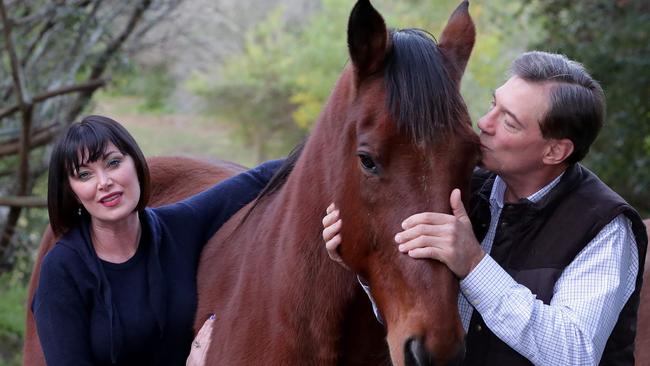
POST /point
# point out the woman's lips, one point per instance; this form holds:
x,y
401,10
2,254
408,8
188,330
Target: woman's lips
x,y
111,200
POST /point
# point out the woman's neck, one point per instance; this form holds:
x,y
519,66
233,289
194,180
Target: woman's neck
x,y
116,242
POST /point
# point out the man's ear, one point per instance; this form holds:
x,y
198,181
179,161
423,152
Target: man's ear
x,y
557,151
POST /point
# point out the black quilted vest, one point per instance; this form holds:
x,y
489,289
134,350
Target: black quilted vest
x,y
534,242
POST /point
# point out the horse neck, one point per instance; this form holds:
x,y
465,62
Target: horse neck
x,y
315,178
318,285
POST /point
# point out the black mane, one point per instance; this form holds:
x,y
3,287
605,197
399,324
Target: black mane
x,y
423,99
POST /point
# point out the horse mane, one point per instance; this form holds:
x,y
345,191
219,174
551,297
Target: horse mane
x,y
277,181
282,174
422,97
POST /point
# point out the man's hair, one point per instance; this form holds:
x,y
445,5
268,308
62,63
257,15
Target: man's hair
x,y
85,142
577,102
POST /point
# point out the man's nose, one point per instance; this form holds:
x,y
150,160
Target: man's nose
x,y
486,123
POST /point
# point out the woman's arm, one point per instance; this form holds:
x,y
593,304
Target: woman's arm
x,y
207,211
61,318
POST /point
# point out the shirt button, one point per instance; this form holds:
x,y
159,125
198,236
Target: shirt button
x,y
479,328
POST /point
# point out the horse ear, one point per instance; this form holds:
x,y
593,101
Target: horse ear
x,y
367,39
457,40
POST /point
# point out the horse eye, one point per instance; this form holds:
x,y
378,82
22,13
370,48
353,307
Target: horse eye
x,y
368,163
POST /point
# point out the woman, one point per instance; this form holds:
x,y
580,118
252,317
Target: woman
x,y
119,287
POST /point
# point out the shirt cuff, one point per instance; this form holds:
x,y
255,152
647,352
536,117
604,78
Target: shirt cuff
x,y
486,284
366,288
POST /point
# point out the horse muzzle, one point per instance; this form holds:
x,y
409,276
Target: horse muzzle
x,y
416,354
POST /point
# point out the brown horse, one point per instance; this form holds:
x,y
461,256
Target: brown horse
x,y
394,139
642,346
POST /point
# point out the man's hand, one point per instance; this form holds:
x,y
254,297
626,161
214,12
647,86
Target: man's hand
x,y
447,238
331,234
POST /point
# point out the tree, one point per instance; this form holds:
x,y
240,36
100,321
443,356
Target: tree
x,y
274,90
611,39
54,56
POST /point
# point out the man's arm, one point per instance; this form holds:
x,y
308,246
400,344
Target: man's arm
x,y
588,298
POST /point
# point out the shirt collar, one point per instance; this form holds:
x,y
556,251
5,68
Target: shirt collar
x,y
499,190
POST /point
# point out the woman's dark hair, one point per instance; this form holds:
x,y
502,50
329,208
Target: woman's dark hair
x,y
85,142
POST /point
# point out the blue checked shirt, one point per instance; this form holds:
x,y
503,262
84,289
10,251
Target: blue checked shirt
x,y
586,302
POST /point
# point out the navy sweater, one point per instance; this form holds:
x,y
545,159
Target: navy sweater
x,y
141,312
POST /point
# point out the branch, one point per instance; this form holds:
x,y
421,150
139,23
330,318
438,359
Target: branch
x,y
103,60
38,138
26,107
15,65
23,201
88,85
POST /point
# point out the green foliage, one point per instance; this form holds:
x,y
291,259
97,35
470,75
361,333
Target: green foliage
x,y
611,39
253,90
504,30
151,84
13,292
275,89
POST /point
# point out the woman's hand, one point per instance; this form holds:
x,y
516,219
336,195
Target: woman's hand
x,y
332,234
200,344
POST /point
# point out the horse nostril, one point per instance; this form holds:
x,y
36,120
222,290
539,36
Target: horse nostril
x,y
415,354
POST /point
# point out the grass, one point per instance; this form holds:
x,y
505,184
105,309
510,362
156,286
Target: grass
x,y
175,134
12,320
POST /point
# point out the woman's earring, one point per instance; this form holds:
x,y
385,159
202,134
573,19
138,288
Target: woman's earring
x,y
79,211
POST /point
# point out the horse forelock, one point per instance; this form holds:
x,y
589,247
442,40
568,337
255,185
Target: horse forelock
x,y
422,98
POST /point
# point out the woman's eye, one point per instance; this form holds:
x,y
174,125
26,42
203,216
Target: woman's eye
x,y
83,175
368,163
114,163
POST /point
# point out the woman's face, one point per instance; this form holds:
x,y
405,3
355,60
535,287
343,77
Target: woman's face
x,y
107,188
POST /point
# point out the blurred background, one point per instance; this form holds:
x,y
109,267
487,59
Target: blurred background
x,y
244,80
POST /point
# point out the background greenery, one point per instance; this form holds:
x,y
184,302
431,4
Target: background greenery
x,y
257,103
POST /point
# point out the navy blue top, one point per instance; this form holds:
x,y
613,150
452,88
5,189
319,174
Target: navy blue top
x,y
140,312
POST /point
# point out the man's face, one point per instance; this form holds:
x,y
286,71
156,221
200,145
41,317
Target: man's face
x,y
510,134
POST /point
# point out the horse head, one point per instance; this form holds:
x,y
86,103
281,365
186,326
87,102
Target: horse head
x,y
407,142
394,139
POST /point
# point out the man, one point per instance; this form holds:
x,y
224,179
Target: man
x,y
555,279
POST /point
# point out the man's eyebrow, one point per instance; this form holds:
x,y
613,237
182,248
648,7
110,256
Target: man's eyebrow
x,y
507,111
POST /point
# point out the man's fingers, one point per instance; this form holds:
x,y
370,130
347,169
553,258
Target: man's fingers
x,y
421,230
429,218
457,206
333,229
331,246
330,218
426,253
419,242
